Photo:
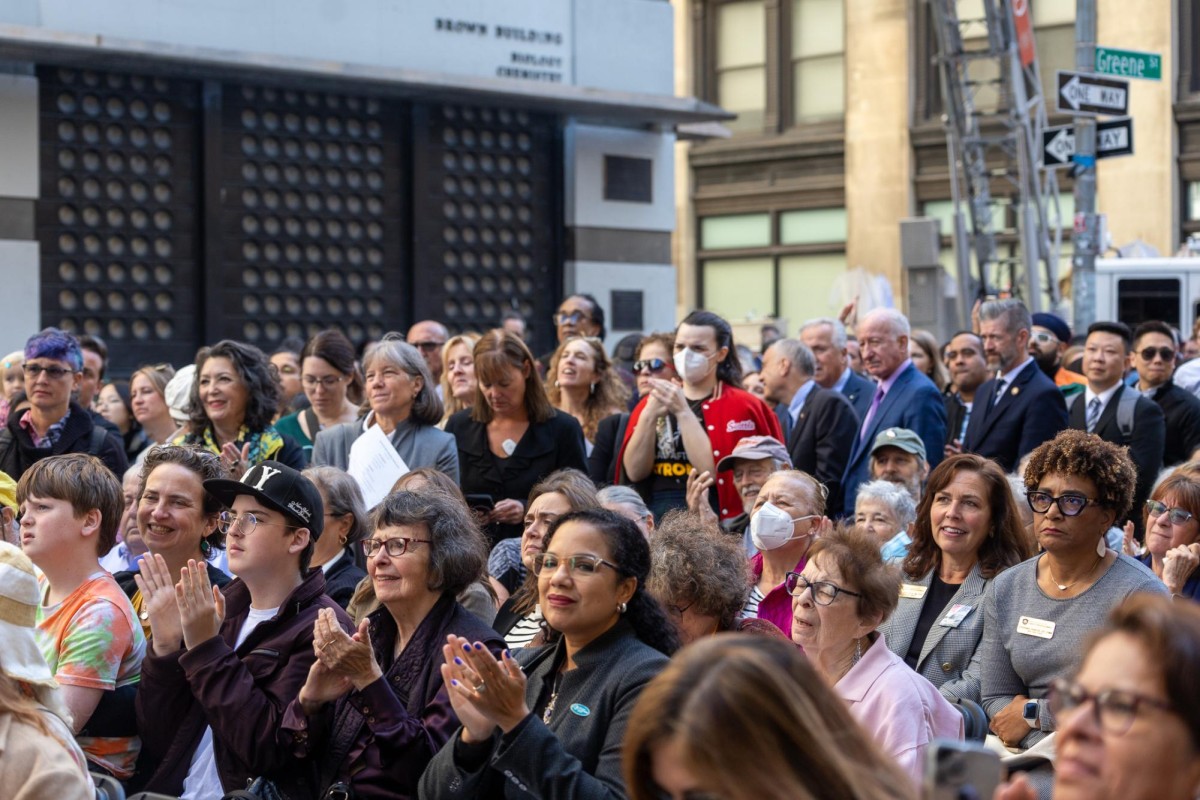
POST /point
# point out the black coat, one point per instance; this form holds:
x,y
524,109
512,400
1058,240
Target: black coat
x,y
18,454
1031,411
602,463
343,577
821,439
1181,409
546,446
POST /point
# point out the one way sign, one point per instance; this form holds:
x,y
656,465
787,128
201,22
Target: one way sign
x,y
1113,138
1084,93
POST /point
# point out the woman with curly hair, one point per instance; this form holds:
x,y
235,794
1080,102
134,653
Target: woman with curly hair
x,y
1039,613
585,385
234,399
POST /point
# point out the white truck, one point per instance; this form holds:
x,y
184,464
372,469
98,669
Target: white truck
x,y
1134,290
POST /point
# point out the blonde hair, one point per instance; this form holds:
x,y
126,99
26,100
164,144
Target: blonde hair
x,y
451,403
22,700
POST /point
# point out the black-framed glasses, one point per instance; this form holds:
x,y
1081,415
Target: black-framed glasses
x,y
427,347
676,612
1165,353
1176,516
327,381
652,364
1071,505
570,318
34,371
1114,710
394,547
583,564
228,522
823,592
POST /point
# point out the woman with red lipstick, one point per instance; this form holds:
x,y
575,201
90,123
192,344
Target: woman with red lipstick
x,y
967,532
1039,613
1173,534
1129,719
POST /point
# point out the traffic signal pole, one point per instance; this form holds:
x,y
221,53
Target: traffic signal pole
x,y
1087,224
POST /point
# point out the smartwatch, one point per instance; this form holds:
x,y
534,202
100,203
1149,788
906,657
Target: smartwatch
x,y
1030,713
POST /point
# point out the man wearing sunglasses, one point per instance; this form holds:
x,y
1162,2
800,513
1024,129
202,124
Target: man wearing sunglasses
x,y
1049,339
429,336
55,424
1154,354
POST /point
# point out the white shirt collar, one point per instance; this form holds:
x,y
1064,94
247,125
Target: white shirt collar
x,y
1009,376
328,565
1104,396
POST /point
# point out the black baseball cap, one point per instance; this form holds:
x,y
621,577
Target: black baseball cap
x,y
278,487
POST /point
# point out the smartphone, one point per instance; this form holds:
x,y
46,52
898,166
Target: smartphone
x,y
961,771
480,502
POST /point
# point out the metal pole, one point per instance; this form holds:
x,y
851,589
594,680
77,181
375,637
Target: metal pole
x,y
1087,226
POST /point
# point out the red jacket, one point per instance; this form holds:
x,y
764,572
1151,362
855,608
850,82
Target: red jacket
x,y
730,415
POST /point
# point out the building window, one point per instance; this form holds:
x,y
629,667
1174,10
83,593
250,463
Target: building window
x,y
818,60
741,62
1054,32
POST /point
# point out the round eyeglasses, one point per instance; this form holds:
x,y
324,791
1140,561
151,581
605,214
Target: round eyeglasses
x,y
243,524
823,592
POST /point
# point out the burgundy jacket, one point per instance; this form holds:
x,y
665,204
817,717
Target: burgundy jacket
x,y
241,693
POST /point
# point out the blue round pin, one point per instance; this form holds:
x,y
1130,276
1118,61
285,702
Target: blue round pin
x,y
580,710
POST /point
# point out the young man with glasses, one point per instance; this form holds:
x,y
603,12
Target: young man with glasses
x,y
55,424
225,664
1154,354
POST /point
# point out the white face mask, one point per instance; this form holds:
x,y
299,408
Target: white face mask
x,y
771,527
690,365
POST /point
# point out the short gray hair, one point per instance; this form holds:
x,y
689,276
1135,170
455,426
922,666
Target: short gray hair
x,y
457,550
839,329
342,496
892,495
394,351
623,495
897,322
1014,313
796,352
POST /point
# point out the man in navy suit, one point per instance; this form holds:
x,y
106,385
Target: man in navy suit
x,y
1020,408
819,424
826,338
905,397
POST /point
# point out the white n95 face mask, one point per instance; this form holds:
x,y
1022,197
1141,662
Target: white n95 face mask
x,y
690,365
771,527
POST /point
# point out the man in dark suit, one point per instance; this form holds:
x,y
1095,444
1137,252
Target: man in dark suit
x,y
968,371
905,398
1154,351
1020,408
1105,357
826,338
819,424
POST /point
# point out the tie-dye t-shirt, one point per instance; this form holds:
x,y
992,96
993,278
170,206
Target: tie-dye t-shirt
x,y
91,639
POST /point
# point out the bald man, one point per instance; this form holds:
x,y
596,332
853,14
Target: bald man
x,y
428,336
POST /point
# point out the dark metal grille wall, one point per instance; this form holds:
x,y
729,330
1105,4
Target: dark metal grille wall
x,y
485,222
116,220
308,227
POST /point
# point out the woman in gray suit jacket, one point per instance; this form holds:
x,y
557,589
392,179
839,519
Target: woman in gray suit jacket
x,y
967,531
404,404
550,723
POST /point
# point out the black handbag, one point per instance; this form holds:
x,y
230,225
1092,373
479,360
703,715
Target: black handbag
x,y
257,789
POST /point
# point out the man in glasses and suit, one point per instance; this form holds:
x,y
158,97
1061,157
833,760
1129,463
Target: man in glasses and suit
x,y
1154,352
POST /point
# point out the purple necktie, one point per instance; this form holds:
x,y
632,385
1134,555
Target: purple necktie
x,y
871,413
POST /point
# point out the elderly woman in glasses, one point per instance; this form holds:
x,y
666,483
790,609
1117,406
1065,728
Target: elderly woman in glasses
x,y
838,601
1129,718
1039,612
584,384
1173,533
375,708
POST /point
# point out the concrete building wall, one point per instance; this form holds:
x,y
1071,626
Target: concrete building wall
x,y
19,254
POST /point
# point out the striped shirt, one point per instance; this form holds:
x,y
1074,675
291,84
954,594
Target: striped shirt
x,y
523,632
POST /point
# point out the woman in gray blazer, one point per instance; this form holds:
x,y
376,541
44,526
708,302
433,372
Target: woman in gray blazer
x,y
404,404
967,531
550,723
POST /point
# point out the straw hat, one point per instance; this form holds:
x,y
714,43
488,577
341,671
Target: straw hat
x,y
20,657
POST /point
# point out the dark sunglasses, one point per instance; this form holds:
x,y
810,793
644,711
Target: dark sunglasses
x,y
1165,353
653,364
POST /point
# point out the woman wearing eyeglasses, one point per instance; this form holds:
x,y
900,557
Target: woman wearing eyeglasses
x,y
333,385
1038,613
1129,718
1173,534
584,384
838,601
375,708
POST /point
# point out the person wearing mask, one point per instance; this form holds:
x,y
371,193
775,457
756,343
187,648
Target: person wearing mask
x,y
829,342
585,385
429,337
968,371
905,398
898,456
677,428
148,400
333,385
1049,339
967,532
1154,358
512,436
337,552
458,375
1117,413
1020,408
1172,523
753,460
549,723
886,512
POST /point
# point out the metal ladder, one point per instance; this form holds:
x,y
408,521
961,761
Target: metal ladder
x,y
994,117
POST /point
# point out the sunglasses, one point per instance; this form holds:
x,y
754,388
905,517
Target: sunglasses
x,y
1041,337
1165,353
652,364
1177,516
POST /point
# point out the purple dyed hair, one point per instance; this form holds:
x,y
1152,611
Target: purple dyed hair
x,y
57,345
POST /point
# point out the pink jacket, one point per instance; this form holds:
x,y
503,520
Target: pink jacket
x,y
776,607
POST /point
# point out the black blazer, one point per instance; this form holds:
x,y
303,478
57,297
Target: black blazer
x,y
546,446
1031,411
860,392
956,411
821,439
602,463
1146,442
343,577
1181,409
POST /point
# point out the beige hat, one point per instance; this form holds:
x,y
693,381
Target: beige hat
x,y
20,657
178,394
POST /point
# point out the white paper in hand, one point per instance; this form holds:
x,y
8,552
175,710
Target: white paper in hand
x,y
375,464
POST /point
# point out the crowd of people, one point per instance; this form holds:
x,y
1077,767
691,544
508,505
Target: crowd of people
x,y
681,569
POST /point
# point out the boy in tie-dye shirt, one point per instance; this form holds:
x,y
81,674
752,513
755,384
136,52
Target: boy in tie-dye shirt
x,y
70,507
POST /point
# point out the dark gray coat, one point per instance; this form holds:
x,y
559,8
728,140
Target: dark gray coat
x,y
418,445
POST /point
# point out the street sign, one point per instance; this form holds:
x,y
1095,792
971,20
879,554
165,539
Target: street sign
x,y
1113,138
1084,93
1129,63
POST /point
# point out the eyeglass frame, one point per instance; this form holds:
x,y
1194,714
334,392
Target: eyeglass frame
x,y
794,578
35,371
677,612
1167,354
1061,688
1042,337
1172,512
644,363
1057,501
571,317
572,562
227,522
428,347
371,547
325,381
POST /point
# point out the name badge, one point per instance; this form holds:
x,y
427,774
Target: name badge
x,y
955,616
1031,626
913,591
